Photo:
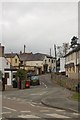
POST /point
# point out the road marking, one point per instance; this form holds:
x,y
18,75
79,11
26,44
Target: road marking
x,y
9,108
34,103
75,113
5,112
73,110
57,116
14,98
9,98
31,104
60,110
28,116
18,99
44,84
26,111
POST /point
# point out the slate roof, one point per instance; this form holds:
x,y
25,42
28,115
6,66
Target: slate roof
x,y
33,57
10,55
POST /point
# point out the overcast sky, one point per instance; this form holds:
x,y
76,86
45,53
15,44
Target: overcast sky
x,y
38,25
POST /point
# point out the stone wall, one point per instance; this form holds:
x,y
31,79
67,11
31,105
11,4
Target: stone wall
x,y
64,81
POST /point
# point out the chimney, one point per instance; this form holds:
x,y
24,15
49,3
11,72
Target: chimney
x,y
24,48
20,52
1,51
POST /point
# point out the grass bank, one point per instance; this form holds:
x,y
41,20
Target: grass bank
x,y
76,96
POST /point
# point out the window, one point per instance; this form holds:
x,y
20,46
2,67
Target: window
x,y
73,69
45,61
71,56
6,75
6,63
15,60
49,60
52,61
21,62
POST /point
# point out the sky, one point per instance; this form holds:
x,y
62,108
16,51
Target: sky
x,y
38,25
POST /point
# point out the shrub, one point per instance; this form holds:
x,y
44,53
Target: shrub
x,y
21,73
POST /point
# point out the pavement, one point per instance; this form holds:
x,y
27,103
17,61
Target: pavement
x,y
62,102
57,99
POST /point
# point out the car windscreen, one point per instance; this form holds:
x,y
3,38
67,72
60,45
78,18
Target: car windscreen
x,y
34,78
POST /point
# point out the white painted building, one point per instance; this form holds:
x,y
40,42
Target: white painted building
x,y
62,64
5,67
40,63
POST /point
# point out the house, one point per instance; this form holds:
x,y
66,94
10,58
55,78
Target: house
x,y
6,67
1,57
38,63
4,64
72,63
62,65
13,58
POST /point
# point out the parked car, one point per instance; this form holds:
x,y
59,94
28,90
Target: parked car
x,y
34,80
29,75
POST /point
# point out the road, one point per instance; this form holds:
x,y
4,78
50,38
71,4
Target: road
x,y
27,103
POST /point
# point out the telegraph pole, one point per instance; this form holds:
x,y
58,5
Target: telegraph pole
x,y
50,51
55,58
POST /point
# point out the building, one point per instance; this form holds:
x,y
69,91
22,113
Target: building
x,y
4,64
38,63
62,65
13,59
1,58
72,63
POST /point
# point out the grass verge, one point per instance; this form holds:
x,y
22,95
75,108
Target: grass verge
x,y
76,96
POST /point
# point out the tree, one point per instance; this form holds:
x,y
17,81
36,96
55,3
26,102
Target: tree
x,y
62,50
21,73
74,42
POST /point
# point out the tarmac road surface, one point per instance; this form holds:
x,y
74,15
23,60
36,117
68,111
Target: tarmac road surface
x,y
27,103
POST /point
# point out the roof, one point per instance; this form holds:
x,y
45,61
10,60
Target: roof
x,y
33,57
76,49
10,55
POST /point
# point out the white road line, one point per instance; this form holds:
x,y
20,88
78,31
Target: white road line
x,y
28,116
57,116
18,99
9,108
75,113
14,98
60,110
25,111
5,112
44,84
9,98
32,104
73,110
